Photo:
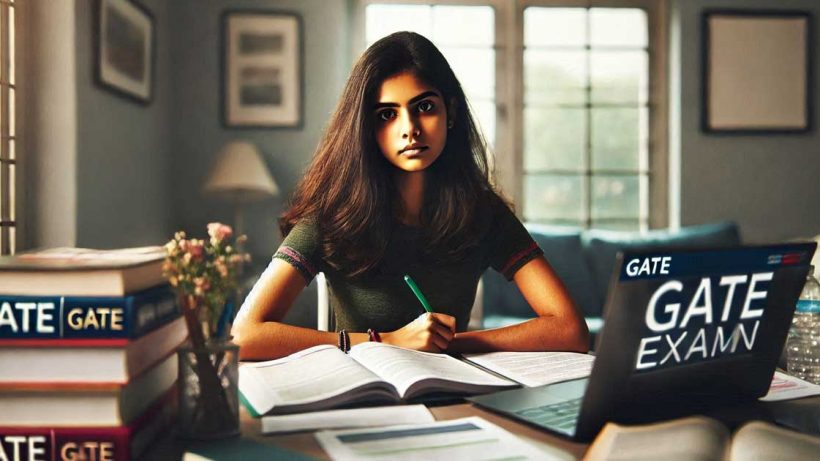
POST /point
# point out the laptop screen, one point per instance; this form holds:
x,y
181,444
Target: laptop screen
x,y
693,327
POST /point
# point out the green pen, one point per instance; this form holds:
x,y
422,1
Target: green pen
x,y
418,293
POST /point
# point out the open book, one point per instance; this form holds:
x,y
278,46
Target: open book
x,y
323,377
701,438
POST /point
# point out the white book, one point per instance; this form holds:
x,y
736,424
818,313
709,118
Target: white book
x,y
85,404
323,377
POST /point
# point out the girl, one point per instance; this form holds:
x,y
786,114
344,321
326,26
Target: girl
x,y
400,185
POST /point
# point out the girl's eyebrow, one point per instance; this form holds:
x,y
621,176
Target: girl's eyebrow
x,y
413,100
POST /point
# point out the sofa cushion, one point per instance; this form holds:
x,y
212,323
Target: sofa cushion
x,y
562,248
601,247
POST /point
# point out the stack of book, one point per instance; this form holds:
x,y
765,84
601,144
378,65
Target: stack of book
x,y
87,353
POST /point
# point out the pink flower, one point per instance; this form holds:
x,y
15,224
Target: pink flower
x,y
219,232
197,249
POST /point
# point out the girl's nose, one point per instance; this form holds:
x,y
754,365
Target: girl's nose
x,y
409,127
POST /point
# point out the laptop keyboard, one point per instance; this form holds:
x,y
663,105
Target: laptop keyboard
x,y
561,415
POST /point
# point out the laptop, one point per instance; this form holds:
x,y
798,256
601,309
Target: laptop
x,y
685,331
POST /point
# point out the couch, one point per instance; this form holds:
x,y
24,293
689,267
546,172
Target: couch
x,y
584,260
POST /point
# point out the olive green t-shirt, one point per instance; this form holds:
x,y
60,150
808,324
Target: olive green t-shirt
x,y
380,299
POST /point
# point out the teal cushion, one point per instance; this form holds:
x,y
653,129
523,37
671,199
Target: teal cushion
x,y
601,247
562,248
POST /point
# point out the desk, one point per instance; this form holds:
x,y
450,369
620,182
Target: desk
x,y
169,448
802,414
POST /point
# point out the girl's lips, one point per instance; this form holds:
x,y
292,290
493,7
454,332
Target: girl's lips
x,y
413,152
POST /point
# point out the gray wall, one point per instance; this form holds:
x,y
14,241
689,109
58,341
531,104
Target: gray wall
x,y
107,172
770,185
198,133
123,148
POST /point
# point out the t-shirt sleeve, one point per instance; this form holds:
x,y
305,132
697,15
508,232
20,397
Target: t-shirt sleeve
x,y
511,246
300,249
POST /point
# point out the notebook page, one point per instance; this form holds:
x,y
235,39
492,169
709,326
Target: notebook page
x,y
536,368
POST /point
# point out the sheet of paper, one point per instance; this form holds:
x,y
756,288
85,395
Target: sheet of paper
x,y
357,417
536,368
787,387
467,438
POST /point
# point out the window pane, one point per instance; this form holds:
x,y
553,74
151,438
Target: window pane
x,y
484,114
464,25
555,26
13,191
474,68
618,27
615,197
619,138
12,128
619,77
382,20
628,225
555,77
11,46
554,138
553,198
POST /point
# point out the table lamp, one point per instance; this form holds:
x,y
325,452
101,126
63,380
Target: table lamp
x,y
239,175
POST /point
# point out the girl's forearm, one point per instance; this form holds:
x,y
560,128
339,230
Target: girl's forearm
x,y
546,333
272,340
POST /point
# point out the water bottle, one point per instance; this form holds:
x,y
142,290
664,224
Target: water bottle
x,y
803,343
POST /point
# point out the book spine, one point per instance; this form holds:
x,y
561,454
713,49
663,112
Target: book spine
x,y
55,317
104,443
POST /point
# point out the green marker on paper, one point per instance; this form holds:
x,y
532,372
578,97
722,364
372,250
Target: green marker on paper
x,y
418,293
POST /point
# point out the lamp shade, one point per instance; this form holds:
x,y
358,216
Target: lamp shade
x,y
240,174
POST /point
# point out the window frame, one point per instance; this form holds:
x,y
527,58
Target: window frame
x,y
12,239
508,155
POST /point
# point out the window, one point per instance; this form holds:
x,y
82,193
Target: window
x,y
586,114
8,160
570,92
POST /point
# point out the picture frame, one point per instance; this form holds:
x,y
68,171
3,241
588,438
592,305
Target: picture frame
x,y
125,49
757,72
262,73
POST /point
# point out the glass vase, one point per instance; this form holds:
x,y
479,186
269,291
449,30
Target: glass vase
x,y
208,390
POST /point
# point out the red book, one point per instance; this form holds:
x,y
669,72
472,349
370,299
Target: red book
x,y
89,443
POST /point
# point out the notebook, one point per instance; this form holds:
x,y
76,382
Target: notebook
x,y
685,331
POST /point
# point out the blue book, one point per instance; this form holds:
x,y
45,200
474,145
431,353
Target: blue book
x,y
84,317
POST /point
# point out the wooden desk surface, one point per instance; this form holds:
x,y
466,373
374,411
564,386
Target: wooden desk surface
x,y
170,448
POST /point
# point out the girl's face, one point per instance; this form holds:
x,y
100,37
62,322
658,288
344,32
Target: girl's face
x,y
411,122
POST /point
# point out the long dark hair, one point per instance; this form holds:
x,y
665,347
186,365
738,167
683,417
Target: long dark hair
x,y
348,188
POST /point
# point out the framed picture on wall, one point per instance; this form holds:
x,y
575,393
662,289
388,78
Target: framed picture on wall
x,y
757,71
262,69
125,43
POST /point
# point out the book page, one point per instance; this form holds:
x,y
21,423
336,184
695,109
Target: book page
x,y
314,374
787,387
404,367
536,368
762,441
693,438
471,438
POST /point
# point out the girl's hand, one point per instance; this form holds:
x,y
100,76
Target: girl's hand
x,y
428,333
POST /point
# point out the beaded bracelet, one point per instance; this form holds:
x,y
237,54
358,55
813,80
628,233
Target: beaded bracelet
x,y
374,335
344,341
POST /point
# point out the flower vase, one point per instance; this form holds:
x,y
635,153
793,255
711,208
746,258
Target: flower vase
x,y
208,390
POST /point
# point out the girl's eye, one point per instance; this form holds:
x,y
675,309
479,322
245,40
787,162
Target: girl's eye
x,y
386,115
426,106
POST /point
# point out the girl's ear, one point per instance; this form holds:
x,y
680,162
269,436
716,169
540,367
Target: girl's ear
x,y
452,110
